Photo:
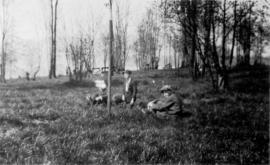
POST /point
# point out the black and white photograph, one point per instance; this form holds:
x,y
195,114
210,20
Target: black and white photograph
x,y
121,82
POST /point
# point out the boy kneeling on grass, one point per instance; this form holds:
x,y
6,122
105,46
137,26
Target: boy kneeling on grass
x,y
169,105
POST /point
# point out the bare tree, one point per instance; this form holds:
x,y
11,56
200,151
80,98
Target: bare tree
x,y
80,42
79,54
5,31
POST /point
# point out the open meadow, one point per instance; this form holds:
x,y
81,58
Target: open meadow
x,y
49,122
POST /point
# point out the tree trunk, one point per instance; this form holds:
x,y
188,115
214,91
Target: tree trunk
x,y
175,59
3,65
234,33
224,31
193,56
55,37
215,56
4,53
247,47
247,55
194,41
51,51
53,26
224,38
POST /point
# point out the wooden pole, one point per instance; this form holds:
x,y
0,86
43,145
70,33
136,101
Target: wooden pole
x,y
110,60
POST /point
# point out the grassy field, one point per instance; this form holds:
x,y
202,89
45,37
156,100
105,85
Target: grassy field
x,y
49,122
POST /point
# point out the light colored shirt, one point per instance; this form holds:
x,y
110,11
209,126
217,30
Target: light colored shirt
x,y
127,84
101,85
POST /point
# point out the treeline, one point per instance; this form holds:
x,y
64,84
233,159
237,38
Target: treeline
x,y
209,35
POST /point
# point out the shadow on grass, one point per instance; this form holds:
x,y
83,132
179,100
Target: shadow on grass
x,y
250,79
251,85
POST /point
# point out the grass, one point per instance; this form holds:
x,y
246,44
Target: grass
x,y
49,122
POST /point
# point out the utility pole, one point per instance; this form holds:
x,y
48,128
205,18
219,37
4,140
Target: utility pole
x,y
110,60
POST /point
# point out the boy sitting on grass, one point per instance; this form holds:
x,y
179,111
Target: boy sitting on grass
x,y
169,105
128,96
129,91
101,96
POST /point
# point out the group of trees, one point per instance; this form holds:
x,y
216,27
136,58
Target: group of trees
x,y
6,37
147,46
210,32
209,36
80,56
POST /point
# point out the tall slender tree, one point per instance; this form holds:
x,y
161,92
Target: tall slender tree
x,y
5,36
53,29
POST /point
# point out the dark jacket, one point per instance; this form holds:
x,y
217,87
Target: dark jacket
x,y
132,91
171,105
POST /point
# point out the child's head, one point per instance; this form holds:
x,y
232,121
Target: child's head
x,y
127,74
166,90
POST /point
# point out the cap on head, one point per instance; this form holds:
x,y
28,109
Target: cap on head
x,y
166,88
